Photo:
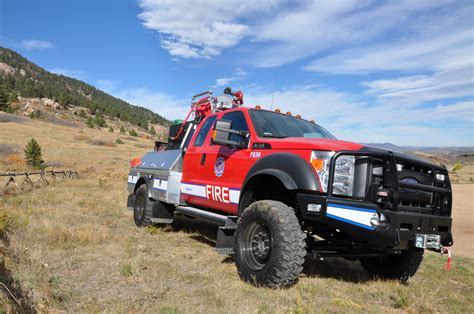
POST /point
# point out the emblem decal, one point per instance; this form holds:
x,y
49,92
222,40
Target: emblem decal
x,y
219,167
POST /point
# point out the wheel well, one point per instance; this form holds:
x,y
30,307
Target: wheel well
x,y
138,184
266,187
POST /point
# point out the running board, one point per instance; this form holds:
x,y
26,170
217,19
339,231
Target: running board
x,y
203,214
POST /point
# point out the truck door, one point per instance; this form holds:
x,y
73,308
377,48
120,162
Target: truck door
x,y
192,188
225,168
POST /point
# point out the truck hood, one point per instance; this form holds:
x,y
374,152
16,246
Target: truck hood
x,y
292,143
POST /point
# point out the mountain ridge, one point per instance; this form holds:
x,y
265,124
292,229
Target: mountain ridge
x,y
21,77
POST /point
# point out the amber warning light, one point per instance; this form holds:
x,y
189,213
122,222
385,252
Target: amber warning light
x,y
135,162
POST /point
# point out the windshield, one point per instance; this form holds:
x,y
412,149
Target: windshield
x,y
277,125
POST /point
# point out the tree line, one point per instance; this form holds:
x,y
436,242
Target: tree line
x,y
30,80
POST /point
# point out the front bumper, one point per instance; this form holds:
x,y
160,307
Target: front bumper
x,y
353,218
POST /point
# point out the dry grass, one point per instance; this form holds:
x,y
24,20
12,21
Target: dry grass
x,y
73,247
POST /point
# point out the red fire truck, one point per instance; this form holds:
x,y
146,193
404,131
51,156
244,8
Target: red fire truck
x,y
283,188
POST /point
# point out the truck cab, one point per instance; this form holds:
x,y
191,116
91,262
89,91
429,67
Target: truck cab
x,y
282,188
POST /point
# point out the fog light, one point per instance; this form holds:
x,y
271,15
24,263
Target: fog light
x,y
379,221
314,208
440,177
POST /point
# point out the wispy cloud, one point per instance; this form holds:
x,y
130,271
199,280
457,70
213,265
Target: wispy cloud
x,y
157,101
238,75
359,119
32,44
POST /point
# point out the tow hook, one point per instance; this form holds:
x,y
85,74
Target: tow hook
x,y
448,263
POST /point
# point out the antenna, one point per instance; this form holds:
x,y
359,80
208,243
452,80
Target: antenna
x,y
273,92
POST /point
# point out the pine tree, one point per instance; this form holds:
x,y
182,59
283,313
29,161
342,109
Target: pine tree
x,y
3,100
90,122
33,154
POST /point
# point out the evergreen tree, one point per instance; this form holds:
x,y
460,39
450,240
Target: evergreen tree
x,y
152,130
132,132
122,129
82,113
90,122
111,129
33,154
3,100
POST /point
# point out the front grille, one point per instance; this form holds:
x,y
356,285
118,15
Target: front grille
x,y
397,182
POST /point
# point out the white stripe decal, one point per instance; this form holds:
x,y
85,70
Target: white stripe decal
x,y
132,179
193,189
160,184
356,216
234,196
216,192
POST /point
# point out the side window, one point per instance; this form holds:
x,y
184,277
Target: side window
x,y
238,123
201,137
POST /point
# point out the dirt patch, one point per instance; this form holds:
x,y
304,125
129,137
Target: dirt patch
x,y
463,219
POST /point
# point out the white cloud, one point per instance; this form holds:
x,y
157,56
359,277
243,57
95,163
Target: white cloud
x,y
200,29
159,102
238,75
353,118
36,44
324,26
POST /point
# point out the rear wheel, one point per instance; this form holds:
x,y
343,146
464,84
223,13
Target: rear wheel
x,y
401,267
142,213
269,245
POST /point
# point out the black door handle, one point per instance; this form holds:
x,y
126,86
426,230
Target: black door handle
x,y
203,159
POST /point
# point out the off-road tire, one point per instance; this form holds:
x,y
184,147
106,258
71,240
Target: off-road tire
x,y
282,265
401,267
142,212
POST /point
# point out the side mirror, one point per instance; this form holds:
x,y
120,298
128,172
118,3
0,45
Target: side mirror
x,y
223,130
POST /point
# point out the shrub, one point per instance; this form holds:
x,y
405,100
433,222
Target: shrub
x,y
457,166
82,113
36,114
111,129
33,154
100,121
122,129
90,122
152,130
132,132
119,141
3,100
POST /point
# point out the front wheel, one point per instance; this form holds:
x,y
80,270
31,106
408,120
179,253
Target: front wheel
x,y
269,245
401,266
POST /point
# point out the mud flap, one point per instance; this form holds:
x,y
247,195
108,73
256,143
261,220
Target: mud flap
x,y
225,236
161,213
131,202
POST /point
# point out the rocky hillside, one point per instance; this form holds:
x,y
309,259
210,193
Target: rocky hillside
x,y
20,78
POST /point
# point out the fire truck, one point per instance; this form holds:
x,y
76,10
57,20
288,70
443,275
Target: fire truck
x,y
282,188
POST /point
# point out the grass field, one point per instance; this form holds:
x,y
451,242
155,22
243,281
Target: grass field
x,y
72,246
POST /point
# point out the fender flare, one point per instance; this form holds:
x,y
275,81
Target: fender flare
x,y
294,172
149,185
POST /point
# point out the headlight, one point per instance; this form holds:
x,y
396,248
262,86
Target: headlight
x,y
343,174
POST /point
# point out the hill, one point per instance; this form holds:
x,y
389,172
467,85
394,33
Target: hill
x,y
20,77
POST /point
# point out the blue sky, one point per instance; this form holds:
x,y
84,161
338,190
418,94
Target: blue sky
x,y
369,71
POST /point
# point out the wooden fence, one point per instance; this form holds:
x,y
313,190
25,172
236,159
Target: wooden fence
x,y
22,181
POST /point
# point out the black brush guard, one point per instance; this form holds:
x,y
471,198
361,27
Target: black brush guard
x,y
403,225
